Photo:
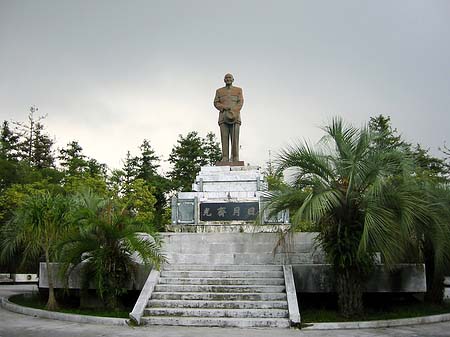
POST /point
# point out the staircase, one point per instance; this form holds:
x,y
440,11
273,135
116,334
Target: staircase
x,y
219,295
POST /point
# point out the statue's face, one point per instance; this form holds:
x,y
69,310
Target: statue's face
x,y
228,79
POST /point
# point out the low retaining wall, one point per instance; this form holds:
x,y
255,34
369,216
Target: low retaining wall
x,y
313,278
74,280
311,273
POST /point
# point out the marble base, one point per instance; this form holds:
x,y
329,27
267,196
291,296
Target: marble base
x,y
230,163
217,188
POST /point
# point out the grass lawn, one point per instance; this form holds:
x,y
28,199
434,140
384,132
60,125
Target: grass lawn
x,y
322,308
37,302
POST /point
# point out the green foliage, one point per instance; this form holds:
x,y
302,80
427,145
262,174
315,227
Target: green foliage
x,y
37,226
143,168
42,155
364,199
14,196
72,160
74,184
9,142
187,157
429,167
103,241
140,201
434,239
211,148
34,144
81,172
147,163
385,137
26,154
426,165
16,170
432,175
273,177
11,172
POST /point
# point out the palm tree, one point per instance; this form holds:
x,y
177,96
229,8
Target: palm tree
x,y
105,243
434,240
36,227
363,200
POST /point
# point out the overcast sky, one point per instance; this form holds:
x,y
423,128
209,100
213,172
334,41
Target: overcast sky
x,y
111,73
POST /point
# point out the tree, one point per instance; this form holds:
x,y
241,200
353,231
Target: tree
x,y
211,149
147,162
72,159
142,170
35,145
42,154
432,175
140,201
273,177
428,166
128,173
104,240
12,198
434,241
146,165
15,168
187,157
9,142
37,226
75,163
81,172
385,137
364,199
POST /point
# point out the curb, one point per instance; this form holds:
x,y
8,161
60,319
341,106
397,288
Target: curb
x,y
6,304
388,323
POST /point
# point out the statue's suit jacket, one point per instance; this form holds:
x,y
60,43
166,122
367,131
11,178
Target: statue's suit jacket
x,y
229,98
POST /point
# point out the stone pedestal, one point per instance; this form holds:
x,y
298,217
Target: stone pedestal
x,y
231,163
224,199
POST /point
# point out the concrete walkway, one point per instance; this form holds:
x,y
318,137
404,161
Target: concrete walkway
x,y
17,325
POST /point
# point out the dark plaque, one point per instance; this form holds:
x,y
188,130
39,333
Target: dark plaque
x,y
228,211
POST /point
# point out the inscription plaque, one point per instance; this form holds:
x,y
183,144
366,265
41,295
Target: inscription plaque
x,y
228,211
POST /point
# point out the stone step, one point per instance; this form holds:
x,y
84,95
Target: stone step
x,y
226,267
220,295
218,321
221,274
218,304
214,257
202,312
218,288
222,248
222,281
205,296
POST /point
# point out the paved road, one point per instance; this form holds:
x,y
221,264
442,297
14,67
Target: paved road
x,y
17,325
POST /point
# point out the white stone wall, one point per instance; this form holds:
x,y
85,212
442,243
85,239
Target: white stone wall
x,y
229,179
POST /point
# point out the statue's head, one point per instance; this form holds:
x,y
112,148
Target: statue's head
x,y
228,79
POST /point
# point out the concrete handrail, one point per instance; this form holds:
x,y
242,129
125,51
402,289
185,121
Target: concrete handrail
x,y
294,312
144,296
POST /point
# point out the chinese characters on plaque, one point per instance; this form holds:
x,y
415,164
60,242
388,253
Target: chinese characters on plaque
x,y
228,211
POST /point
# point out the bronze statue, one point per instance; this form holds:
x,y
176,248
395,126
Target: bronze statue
x,y
229,101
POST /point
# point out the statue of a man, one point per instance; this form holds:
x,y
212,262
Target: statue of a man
x,y
229,101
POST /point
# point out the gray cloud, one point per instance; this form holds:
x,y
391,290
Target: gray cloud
x,y
111,73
